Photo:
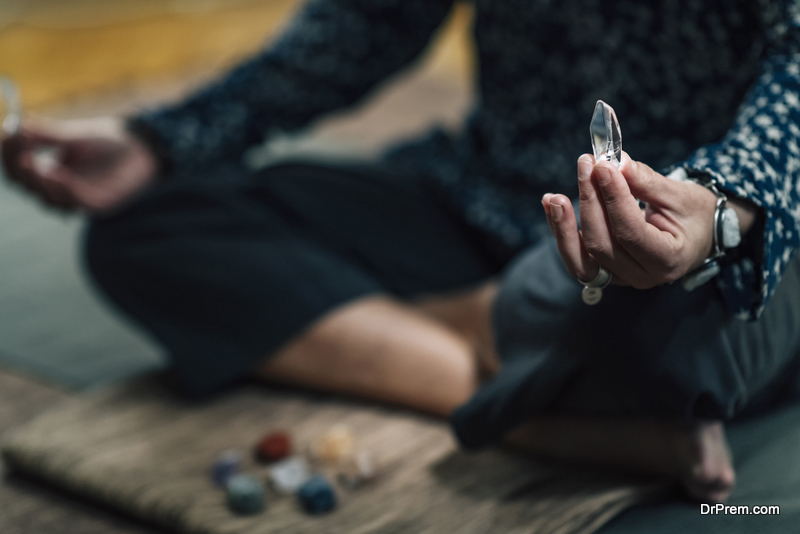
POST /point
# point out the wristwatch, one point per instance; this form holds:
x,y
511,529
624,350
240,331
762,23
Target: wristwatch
x,y
726,236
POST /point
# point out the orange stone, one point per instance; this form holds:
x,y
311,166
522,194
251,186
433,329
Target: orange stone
x,y
335,446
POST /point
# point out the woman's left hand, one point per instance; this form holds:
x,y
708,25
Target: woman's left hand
x,y
641,248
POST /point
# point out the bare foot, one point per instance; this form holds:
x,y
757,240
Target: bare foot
x,y
708,474
697,456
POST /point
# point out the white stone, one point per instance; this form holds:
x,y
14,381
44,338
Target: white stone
x,y
288,475
358,470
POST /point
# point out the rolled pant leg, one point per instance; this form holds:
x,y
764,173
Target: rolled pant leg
x,y
661,352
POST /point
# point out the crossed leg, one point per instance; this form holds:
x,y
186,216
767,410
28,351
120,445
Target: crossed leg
x,y
189,263
430,356
426,355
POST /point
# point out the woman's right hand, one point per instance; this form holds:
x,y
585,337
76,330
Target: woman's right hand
x,y
94,165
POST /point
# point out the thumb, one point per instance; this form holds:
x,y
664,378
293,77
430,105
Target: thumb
x,y
645,183
35,134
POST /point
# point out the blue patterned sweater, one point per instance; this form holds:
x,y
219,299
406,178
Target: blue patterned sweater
x,y
710,85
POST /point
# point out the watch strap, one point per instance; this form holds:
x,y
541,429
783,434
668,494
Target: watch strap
x,y
725,219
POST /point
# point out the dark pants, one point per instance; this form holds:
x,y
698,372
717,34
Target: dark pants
x,y
661,352
225,269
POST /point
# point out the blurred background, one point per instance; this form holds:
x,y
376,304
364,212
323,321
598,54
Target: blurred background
x,y
84,58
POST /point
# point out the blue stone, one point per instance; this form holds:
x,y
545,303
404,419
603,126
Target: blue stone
x,y
317,495
245,494
228,463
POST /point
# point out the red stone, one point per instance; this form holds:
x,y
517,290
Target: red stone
x,y
273,447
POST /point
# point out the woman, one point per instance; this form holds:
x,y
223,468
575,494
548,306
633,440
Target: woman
x,y
378,280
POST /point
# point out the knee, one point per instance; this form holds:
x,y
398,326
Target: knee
x,y
113,243
104,249
536,302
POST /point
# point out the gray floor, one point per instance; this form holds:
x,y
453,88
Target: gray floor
x,y
51,324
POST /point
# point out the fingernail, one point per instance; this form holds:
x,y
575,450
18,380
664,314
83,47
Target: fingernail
x,y
556,211
627,161
603,174
585,166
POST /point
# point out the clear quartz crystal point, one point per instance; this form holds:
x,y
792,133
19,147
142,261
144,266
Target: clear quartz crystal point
x,y
606,135
10,109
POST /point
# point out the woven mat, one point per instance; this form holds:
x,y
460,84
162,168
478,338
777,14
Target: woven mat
x,y
138,449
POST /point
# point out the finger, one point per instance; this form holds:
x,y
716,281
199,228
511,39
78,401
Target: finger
x,y
621,207
570,246
24,169
645,183
35,133
50,193
57,192
596,235
29,171
12,150
41,163
597,238
645,243
51,185
17,148
547,213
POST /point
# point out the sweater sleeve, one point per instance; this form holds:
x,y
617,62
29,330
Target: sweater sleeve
x,y
759,160
329,56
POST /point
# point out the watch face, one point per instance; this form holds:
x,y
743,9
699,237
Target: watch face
x,y
731,236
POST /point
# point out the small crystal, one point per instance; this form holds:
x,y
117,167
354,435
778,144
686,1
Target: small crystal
x,y
273,447
288,475
245,494
335,446
606,135
317,496
227,464
10,109
358,470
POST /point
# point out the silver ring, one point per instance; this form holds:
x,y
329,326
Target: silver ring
x,y
600,281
